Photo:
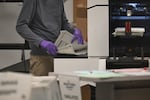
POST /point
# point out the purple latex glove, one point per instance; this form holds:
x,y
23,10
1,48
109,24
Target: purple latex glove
x,y
49,46
77,35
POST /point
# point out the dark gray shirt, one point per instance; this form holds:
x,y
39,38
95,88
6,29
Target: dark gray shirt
x,y
42,20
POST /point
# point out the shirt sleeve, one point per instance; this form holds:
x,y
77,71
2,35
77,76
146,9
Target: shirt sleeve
x,y
24,19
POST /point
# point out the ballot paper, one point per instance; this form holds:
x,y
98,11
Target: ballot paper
x,y
101,74
65,46
70,87
45,88
15,86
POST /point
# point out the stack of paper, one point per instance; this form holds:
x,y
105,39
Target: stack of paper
x,y
65,46
133,71
135,31
98,74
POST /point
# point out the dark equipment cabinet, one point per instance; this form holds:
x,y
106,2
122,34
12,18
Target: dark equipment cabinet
x,y
128,46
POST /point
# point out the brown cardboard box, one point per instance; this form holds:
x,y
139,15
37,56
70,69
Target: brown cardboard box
x,y
88,92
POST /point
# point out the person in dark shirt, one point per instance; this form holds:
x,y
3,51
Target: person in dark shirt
x,y
40,23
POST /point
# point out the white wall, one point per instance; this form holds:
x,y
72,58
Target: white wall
x,y
8,17
69,9
98,28
74,64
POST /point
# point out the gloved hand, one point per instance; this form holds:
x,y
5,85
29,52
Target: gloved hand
x,y
77,35
49,46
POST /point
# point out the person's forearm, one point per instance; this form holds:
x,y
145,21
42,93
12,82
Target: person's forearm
x,y
28,35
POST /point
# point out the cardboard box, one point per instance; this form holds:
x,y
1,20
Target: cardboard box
x,y
88,92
